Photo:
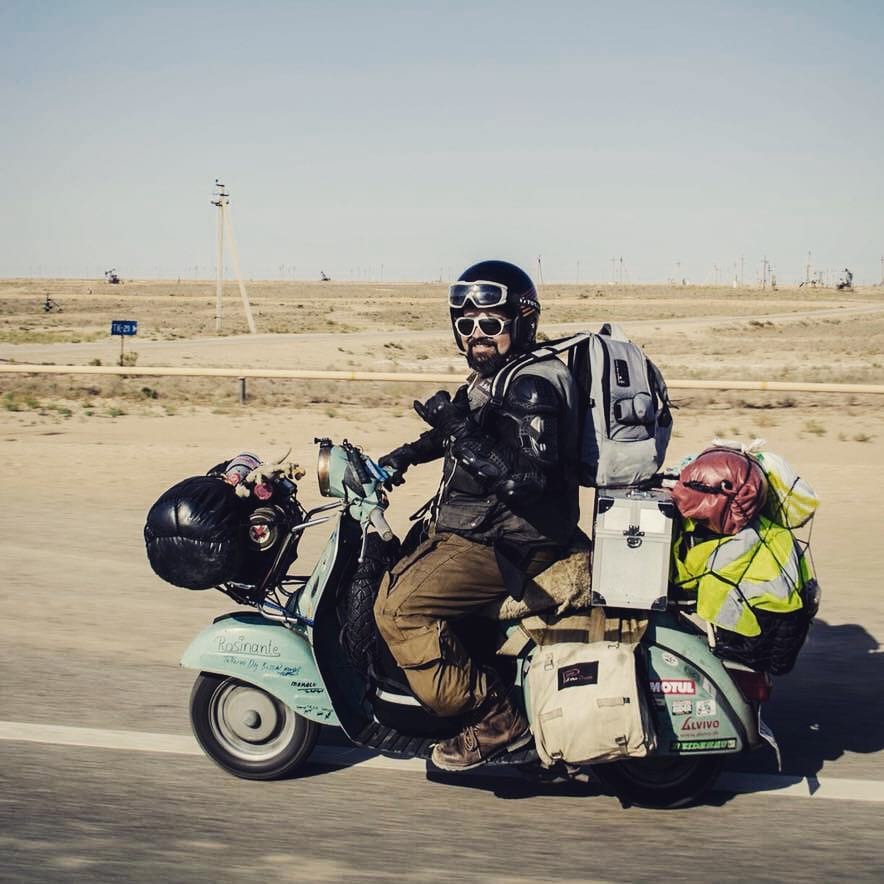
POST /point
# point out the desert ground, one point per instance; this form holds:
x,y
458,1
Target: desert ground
x,y
90,637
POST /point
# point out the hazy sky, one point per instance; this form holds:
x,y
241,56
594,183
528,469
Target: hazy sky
x,y
423,136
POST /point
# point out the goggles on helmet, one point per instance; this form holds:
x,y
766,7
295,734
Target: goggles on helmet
x,y
489,326
480,292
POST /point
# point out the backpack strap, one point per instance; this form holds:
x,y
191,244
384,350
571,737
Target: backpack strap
x,y
504,378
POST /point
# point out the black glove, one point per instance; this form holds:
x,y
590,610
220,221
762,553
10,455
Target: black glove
x,y
399,459
440,412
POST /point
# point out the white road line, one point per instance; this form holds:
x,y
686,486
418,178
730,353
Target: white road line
x,y
341,756
96,738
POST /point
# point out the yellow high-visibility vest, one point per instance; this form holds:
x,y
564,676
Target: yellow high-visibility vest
x,y
762,567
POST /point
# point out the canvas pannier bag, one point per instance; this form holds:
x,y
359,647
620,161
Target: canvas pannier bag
x,y
625,419
586,704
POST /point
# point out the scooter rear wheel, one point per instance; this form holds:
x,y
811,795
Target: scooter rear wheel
x,y
247,731
661,781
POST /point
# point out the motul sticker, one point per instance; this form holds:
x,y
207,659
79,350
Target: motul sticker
x,y
700,724
578,674
673,686
702,745
682,707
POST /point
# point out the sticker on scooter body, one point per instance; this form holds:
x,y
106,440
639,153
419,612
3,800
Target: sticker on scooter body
x,y
696,699
702,745
672,686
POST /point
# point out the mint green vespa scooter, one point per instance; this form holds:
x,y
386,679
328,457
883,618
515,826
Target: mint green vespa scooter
x,y
270,676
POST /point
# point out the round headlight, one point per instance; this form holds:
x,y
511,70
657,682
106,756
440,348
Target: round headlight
x,y
322,470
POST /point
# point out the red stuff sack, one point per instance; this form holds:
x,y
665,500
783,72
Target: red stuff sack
x,y
721,489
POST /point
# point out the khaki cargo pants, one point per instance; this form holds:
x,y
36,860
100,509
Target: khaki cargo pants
x,y
446,577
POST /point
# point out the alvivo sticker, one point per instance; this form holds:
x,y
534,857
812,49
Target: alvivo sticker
x,y
703,724
672,686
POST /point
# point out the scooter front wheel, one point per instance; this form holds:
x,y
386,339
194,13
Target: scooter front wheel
x,y
660,781
247,731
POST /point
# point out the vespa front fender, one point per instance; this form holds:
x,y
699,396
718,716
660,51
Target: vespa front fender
x,y
264,653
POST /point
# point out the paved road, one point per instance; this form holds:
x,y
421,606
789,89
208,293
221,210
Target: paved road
x,y
102,815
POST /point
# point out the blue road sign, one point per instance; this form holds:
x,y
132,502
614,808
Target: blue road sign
x,y
124,327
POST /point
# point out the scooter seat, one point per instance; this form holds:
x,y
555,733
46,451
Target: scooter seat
x,y
563,586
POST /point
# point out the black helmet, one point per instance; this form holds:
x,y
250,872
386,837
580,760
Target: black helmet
x,y
498,284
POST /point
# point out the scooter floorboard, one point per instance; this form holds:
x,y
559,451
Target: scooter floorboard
x,y
390,742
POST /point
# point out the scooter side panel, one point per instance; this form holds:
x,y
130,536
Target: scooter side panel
x,y
697,707
263,653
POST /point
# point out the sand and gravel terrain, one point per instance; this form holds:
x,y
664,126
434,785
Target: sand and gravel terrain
x,y
90,637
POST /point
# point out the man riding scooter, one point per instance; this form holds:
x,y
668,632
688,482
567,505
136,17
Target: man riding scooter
x,y
507,507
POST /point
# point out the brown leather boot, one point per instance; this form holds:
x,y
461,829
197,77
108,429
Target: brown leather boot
x,y
500,726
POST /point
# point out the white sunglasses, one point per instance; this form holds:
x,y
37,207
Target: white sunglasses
x,y
490,326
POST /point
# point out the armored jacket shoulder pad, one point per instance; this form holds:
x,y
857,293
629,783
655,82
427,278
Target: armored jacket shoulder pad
x,y
533,394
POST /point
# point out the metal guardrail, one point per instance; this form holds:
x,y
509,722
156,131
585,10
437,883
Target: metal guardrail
x,y
418,377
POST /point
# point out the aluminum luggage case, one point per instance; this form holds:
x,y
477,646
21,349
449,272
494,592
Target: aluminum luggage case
x,y
631,547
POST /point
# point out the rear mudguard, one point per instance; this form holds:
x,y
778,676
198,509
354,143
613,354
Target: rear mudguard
x,y
697,707
264,653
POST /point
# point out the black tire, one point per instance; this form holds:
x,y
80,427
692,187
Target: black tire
x,y
661,781
358,628
247,731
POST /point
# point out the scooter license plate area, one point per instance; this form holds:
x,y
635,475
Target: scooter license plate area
x,y
691,715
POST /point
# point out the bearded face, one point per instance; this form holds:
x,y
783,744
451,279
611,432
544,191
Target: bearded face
x,y
486,354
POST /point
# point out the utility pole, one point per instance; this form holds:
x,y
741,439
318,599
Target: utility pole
x,y
222,202
807,269
742,259
678,272
218,202
613,271
540,269
621,270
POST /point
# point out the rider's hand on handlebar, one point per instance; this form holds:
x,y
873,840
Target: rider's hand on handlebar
x,y
398,460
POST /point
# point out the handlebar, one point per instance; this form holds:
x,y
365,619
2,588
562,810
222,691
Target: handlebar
x,y
380,524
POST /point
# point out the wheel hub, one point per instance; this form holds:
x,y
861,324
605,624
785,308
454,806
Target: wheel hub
x,y
249,722
251,715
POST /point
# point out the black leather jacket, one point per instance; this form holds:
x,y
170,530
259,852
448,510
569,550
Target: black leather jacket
x,y
514,477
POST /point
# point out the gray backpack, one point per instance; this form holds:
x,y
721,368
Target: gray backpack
x,y
625,417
